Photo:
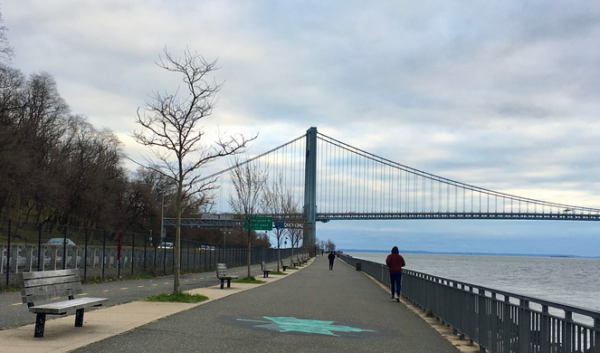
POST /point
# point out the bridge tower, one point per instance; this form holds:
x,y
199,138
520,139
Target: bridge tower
x,y
310,189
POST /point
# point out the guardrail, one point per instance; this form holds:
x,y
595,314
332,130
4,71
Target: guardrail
x,y
499,321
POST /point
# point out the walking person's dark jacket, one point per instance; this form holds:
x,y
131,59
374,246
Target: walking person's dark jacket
x,y
395,262
331,257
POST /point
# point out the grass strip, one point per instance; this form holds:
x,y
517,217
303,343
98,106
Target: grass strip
x,y
278,273
250,279
178,298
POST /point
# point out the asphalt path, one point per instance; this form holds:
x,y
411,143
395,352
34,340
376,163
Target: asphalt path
x,y
313,310
13,313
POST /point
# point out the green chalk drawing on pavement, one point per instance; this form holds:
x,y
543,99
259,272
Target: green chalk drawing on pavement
x,y
292,324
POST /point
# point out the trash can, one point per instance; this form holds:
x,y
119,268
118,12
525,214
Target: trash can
x,y
358,266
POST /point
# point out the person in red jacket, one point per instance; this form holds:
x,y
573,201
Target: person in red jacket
x,y
395,262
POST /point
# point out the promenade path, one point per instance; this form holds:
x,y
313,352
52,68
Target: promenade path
x,y
311,310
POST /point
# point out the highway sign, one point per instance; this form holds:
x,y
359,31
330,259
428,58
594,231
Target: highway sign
x,y
260,223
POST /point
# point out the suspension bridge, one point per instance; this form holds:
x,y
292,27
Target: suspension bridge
x,y
331,180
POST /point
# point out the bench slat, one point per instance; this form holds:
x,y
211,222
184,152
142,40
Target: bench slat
x,y
43,285
47,274
49,294
52,280
67,305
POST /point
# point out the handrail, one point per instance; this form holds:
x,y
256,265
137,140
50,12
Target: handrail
x,y
507,324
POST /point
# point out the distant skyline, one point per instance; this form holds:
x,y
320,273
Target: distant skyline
x,y
504,96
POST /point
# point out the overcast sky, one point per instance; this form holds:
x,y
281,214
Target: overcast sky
x,y
502,95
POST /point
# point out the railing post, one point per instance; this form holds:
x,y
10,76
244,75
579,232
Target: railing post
x,y
596,340
524,326
567,339
545,329
494,322
508,323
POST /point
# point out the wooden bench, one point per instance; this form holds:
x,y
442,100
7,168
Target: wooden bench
x,y
295,262
45,285
224,276
263,267
282,265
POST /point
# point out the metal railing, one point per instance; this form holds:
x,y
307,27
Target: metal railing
x,y
96,253
499,321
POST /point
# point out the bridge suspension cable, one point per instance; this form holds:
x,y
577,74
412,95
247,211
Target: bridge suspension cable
x,y
354,184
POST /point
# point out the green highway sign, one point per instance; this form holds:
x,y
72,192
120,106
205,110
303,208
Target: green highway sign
x,y
260,223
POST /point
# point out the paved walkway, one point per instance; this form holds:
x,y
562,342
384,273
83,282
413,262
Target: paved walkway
x,y
311,310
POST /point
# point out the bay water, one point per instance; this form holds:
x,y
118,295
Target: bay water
x,y
566,280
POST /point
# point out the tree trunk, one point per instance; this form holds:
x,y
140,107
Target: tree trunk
x,y
249,247
176,269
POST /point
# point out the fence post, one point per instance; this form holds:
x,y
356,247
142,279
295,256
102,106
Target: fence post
x,y
103,252
64,257
132,251
85,256
155,247
39,262
164,251
145,250
8,256
188,256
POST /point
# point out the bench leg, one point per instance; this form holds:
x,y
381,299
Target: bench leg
x,y
229,283
40,322
222,283
79,318
265,274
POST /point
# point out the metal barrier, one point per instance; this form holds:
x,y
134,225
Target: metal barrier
x,y
499,321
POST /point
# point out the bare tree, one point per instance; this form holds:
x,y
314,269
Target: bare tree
x,y
170,128
330,245
296,217
248,182
6,51
275,202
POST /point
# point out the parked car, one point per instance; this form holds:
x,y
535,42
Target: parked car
x,y
60,241
166,245
206,248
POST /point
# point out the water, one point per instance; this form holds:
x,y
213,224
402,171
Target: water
x,y
572,281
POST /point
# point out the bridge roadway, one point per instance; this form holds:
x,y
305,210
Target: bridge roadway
x,y
311,310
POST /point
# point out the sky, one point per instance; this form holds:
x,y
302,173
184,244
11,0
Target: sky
x,y
501,95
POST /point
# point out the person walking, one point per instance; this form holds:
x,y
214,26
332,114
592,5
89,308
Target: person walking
x,y
395,262
331,257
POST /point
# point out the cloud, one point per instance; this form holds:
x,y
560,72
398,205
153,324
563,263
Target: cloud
x,y
499,95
